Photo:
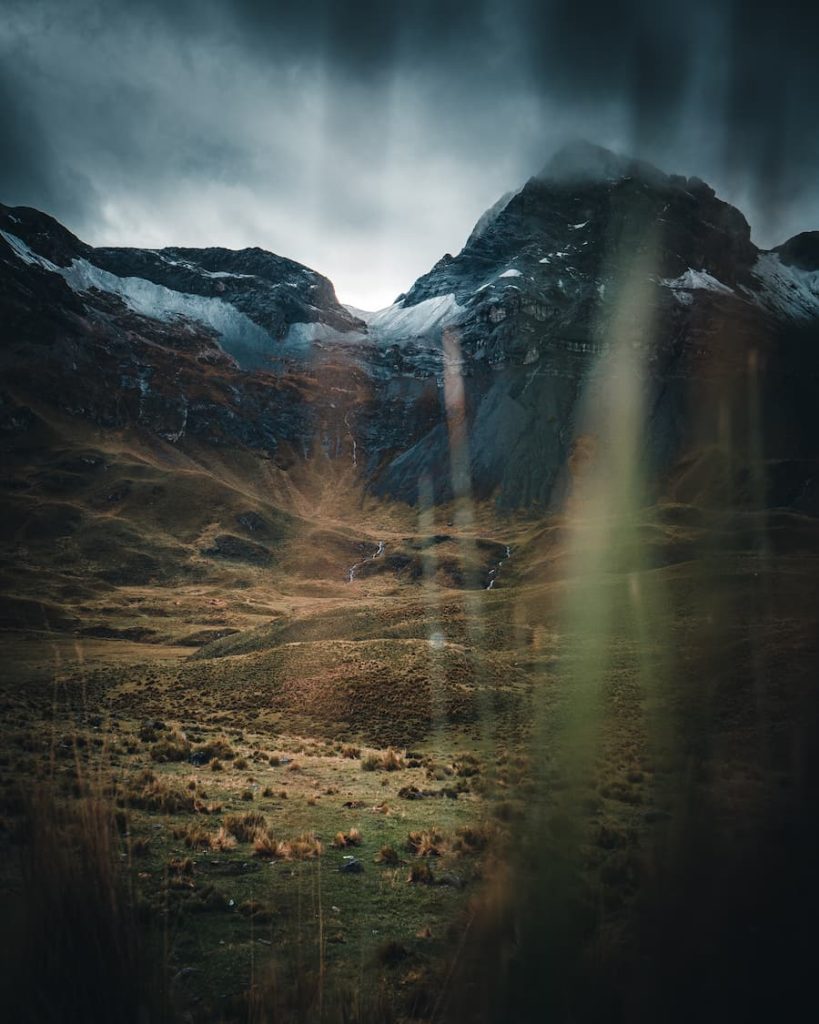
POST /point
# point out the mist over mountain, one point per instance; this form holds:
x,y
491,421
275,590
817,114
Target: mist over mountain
x,y
327,130
217,345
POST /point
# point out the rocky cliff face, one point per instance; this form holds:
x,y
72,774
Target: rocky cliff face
x,y
483,378
594,255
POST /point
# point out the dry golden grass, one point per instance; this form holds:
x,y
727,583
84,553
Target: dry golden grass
x,y
223,840
245,826
265,845
343,840
216,749
333,674
147,792
426,843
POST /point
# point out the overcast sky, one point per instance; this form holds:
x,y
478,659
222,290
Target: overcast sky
x,y
364,139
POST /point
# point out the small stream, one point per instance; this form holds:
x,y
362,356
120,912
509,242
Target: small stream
x,y
371,558
493,573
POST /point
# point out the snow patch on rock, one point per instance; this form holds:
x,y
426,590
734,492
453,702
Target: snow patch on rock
x,y
361,314
300,335
693,280
234,328
784,289
398,322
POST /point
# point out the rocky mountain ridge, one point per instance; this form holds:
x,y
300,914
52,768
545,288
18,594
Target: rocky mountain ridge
x,y
479,380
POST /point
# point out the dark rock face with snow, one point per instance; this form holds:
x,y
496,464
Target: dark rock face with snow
x,y
482,379
801,251
547,286
262,308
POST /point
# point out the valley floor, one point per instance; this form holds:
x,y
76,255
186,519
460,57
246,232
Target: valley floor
x,y
411,797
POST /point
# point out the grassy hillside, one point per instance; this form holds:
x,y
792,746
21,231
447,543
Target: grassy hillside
x,y
402,795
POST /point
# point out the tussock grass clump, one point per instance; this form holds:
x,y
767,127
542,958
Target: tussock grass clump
x,y
303,847
264,845
426,842
148,793
142,778
171,747
389,761
345,839
350,751
467,765
148,731
217,748
222,840
472,839
420,873
388,856
245,826
195,837
180,866
207,808
482,786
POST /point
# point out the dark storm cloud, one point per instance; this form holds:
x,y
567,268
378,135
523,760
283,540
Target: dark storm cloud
x,y
30,168
365,138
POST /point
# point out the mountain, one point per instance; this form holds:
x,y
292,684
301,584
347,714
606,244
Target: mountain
x,y
230,564
511,347
537,295
260,307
